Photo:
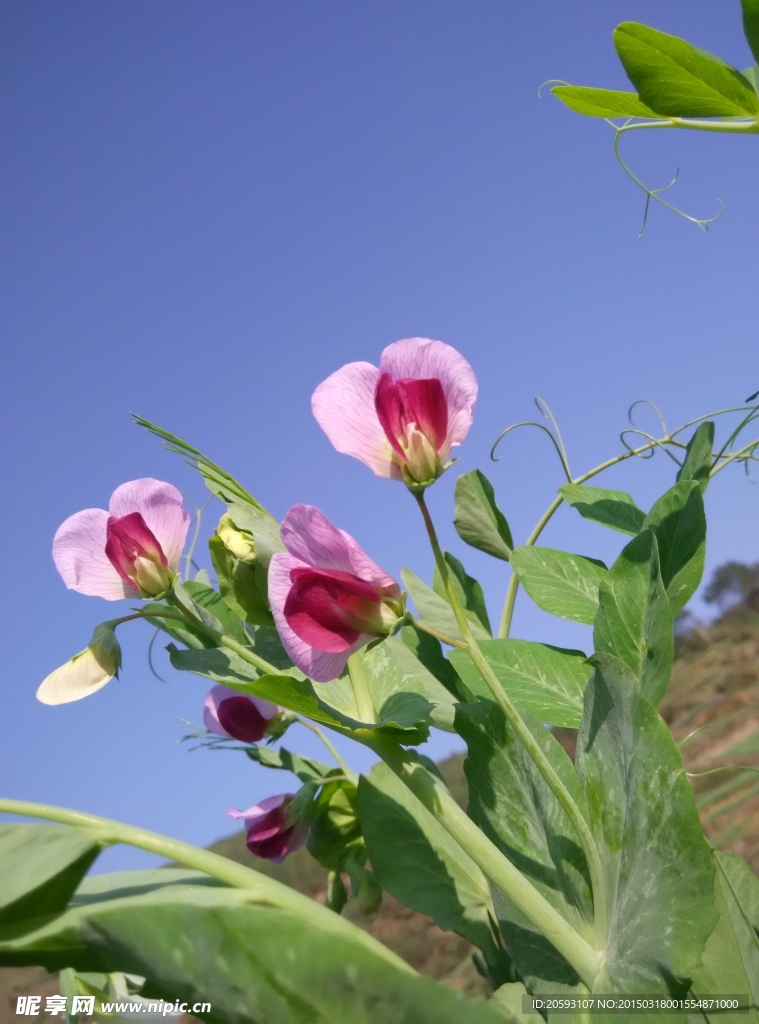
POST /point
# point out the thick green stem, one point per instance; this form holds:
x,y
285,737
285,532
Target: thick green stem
x,y
542,763
262,888
434,796
364,703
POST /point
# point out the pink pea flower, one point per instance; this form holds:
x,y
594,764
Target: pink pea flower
x,y
270,834
328,598
132,550
401,419
238,716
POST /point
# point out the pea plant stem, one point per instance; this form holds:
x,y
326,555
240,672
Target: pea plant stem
x,y
562,794
364,703
312,727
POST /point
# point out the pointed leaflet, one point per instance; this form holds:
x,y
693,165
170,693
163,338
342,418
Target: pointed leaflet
x,y
674,78
419,863
546,682
614,509
250,958
657,863
467,589
479,522
512,804
634,621
602,102
40,868
392,670
751,25
679,522
698,456
562,584
435,610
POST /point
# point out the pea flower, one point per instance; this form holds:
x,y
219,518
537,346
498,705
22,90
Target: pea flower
x,y
328,598
238,716
403,418
270,833
85,673
132,550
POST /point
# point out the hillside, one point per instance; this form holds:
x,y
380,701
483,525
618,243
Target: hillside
x,y
714,689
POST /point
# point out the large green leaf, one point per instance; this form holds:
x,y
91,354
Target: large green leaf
x,y
657,864
634,621
255,962
730,963
698,456
674,78
751,25
546,682
563,584
436,610
428,650
210,599
602,102
468,591
392,670
41,867
512,804
615,509
418,862
679,522
479,522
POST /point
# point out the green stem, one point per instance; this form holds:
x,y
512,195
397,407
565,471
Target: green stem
x,y
434,796
542,763
445,637
262,888
312,727
364,703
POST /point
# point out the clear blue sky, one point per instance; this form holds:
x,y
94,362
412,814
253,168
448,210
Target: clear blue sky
x,y
209,206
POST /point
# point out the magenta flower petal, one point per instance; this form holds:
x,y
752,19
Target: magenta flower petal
x,y
310,537
80,558
160,505
268,833
237,715
424,359
343,405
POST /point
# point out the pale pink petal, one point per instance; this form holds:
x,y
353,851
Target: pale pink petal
x,y
424,359
309,536
259,810
160,505
343,405
321,666
80,558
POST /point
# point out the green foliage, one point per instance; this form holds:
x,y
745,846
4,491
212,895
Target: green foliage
x,y
306,768
546,682
512,804
602,102
751,25
41,868
239,585
394,675
614,509
634,621
479,522
562,584
657,863
676,79
335,832
679,522
429,652
698,456
468,592
436,610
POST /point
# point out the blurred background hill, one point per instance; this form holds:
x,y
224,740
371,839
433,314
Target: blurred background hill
x,y
712,708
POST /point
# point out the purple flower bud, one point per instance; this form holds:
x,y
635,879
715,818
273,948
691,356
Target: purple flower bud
x,y
238,716
270,834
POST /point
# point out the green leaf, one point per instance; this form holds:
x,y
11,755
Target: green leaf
x,y
467,589
435,610
418,862
41,868
730,962
657,863
211,600
676,79
253,961
602,102
751,25
510,801
429,651
479,522
238,584
679,522
306,768
266,541
175,628
546,682
752,74
614,509
508,998
634,621
562,584
335,831
392,670
698,456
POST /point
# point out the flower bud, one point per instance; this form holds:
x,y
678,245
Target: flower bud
x,y
270,833
238,716
86,672
235,539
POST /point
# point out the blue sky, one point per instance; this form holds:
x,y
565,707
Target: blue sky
x,y
209,207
